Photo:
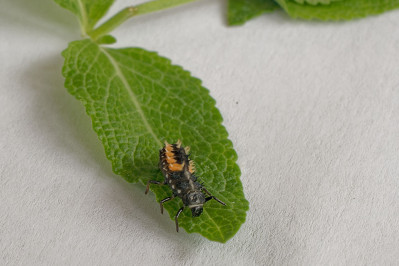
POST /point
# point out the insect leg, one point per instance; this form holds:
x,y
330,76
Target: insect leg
x,y
153,182
206,191
165,200
176,218
212,197
218,200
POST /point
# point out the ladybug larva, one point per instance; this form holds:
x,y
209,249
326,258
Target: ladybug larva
x,y
178,171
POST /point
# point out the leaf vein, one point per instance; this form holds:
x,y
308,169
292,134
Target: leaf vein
x,y
132,96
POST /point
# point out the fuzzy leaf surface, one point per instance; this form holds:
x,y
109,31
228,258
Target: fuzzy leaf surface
x,y
240,11
338,10
136,100
89,12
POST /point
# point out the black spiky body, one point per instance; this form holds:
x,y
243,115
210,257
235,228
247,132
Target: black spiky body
x,y
178,171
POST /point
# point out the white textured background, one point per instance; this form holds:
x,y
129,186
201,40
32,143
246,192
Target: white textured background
x,y
312,109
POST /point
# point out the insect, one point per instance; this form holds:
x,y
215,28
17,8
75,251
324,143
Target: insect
x,y
178,171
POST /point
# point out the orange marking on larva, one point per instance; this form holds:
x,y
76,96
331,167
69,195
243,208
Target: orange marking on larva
x,y
176,167
170,160
170,154
190,169
168,148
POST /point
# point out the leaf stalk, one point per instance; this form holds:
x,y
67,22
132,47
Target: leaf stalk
x,y
133,11
113,22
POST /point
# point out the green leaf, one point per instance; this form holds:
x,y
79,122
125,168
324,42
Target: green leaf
x,y
89,12
338,10
240,11
106,39
316,2
136,100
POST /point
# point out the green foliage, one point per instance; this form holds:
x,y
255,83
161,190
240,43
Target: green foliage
x,y
339,10
240,11
136,100
107,39
243,10
89,12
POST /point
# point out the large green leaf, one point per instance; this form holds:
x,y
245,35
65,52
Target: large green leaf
x,y
136,100
240,11
338,10
89,12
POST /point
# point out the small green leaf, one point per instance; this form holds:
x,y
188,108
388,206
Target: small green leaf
x,y
240,11
89,12
106,39
338,10
136,100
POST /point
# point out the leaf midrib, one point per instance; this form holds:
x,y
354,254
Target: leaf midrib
x,y
217,226
132,96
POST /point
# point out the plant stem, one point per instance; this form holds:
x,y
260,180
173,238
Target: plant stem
x,y
113,22
157,5
84,27
133,11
